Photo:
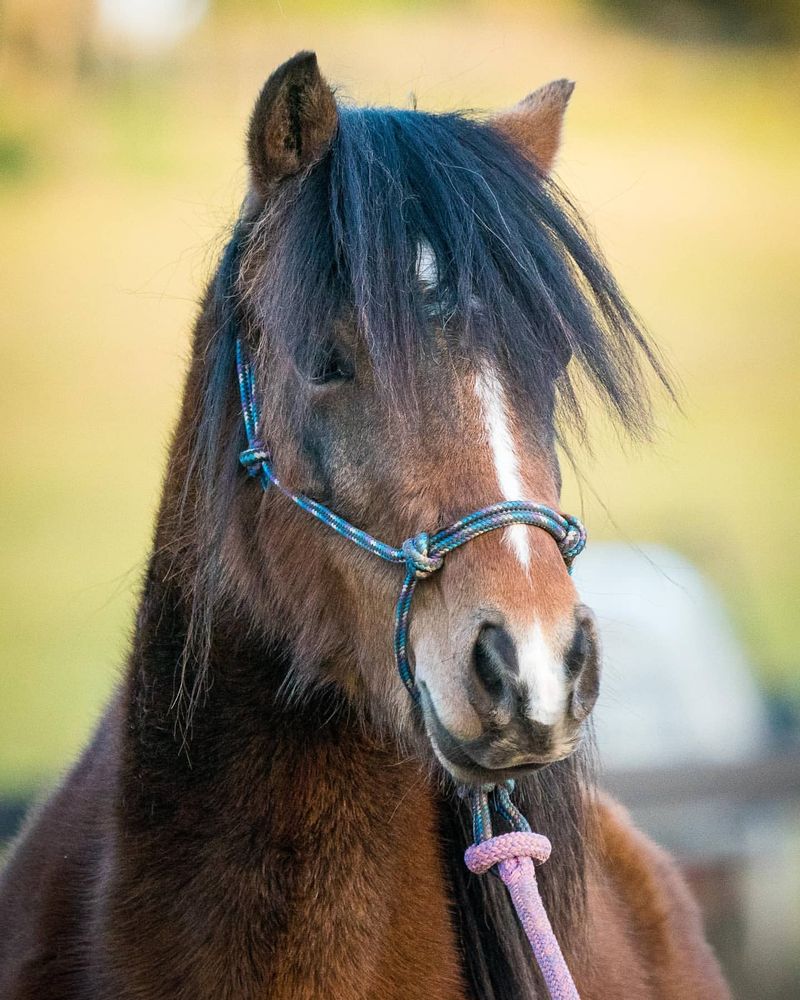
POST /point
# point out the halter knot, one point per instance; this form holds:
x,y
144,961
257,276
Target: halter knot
x,y
419,560
574,540
481,857
252,458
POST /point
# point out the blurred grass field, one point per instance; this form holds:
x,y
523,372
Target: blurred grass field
x,y
116,188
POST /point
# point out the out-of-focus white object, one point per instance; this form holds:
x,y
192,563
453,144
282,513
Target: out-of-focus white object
x,y
149,25
676,687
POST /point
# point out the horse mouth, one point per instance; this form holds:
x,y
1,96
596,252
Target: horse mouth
x,y
492,757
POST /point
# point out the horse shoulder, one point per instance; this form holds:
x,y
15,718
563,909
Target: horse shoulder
x,y
645,925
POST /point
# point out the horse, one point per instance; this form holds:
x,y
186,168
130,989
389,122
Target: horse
x,y
263,811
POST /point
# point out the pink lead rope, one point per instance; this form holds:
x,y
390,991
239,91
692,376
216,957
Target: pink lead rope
x,y
515,855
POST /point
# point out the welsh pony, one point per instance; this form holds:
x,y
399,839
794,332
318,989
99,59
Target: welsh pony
x,y
263,811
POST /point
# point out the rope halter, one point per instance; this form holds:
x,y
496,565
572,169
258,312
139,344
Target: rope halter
x,y
512,854
422,554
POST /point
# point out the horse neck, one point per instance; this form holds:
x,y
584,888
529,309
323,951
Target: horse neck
x,y
307,824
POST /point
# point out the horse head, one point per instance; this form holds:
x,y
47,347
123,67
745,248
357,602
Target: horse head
x,y
417,297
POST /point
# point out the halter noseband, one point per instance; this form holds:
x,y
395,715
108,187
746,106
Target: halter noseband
x,y
513,854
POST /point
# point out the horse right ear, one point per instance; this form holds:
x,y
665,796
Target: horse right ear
x,y
534,125
293,122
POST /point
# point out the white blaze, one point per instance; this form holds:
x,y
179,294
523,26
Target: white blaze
x,y
506,462
543,673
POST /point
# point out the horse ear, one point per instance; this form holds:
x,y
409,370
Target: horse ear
x,y
293,122
534,125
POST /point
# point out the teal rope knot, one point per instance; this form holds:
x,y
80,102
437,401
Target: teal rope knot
x,y
574,540
418,557
253,458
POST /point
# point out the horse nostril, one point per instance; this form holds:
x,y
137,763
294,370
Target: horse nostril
x,y
583,665
579,650
495,659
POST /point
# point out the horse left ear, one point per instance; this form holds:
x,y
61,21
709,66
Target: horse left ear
x,y
293,122
534,125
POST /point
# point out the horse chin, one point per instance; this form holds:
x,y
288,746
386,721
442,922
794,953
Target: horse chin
x,y
473,775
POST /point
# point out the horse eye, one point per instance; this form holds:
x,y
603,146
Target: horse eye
x,y
333,366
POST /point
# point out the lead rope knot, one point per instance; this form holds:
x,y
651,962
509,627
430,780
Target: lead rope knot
x,y
513,856
419,560
506,848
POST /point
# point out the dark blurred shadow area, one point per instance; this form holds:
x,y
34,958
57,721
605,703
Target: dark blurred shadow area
x,y
742,22
121,168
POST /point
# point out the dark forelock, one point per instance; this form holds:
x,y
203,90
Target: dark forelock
x,y
519,276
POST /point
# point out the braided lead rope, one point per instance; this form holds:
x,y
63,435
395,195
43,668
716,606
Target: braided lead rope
x,y
513,854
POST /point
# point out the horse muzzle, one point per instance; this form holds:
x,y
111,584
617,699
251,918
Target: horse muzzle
x,y
524,707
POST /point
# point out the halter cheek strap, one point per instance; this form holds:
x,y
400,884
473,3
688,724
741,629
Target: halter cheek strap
x,y
512,854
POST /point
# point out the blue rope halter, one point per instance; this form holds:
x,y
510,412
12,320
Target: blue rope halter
x,y
421,554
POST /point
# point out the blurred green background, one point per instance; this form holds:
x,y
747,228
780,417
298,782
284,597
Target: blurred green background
x,y
121,165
